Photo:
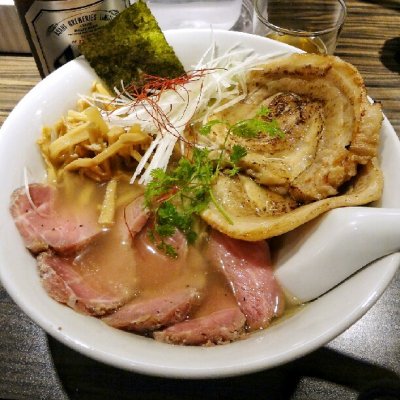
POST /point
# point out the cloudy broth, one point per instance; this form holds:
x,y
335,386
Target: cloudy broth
x,y
115,263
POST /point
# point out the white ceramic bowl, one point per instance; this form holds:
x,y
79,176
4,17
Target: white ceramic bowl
x,y
307,330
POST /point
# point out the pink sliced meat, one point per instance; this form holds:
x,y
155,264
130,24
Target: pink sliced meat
x,y
136,216
247,267
43,226
155,268
65,285
219,327
148,315
152,256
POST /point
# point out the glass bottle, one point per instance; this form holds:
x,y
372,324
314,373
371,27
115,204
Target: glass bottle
x,y
55,28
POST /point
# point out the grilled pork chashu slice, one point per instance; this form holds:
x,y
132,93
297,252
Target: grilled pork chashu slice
x,y
326,159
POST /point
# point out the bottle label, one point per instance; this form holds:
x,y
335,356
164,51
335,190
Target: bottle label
x,y
58,27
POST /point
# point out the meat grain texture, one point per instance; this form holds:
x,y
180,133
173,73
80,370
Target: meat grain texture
x,y
148,315
44,224
65,285
247,267
327,159
219,327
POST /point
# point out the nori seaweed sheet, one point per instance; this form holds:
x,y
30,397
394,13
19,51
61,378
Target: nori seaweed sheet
x,y
130,45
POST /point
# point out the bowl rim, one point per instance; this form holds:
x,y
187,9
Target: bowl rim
x,y
163,369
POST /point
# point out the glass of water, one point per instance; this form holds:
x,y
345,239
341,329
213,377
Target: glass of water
x,y
311,25
205,14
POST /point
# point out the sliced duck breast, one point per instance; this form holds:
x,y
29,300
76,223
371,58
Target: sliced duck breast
x,y
66,285
147,315
154,266
43,224
247,267
219,327
150,243
136,216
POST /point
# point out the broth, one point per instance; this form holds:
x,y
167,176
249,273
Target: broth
x,y
112,262
136,269
107,262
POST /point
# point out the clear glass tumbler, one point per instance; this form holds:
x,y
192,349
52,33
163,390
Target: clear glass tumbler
x,y
311,25
176,14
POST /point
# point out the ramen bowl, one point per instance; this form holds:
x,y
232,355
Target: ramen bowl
x,y
311,327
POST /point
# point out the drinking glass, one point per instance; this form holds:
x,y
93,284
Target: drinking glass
x,y
311,25
175,14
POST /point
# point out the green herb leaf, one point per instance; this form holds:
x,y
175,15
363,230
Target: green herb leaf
x,y
159,185
206,129
251,128
238,152
274,130
263,111
176,197
167,248
233,171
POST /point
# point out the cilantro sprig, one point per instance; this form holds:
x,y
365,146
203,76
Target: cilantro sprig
x,y
250,127
176,197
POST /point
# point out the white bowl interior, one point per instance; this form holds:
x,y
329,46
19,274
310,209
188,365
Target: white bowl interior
x,y
318,323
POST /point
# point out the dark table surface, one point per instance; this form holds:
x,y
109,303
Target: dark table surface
x,y
363,362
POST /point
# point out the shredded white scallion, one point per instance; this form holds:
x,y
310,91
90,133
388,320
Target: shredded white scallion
x,y
221,86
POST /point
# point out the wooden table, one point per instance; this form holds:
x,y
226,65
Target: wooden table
x,y
365,357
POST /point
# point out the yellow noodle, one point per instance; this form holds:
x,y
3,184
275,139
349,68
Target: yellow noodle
x,y
123,140
81,105
135,128
114,133
60,128
44,143
74,136
82,141
136,155
95,137
97,173
92,174
93,114
45,140
100,88
76,116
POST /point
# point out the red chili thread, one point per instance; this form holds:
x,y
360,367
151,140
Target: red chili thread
x,y
150,92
